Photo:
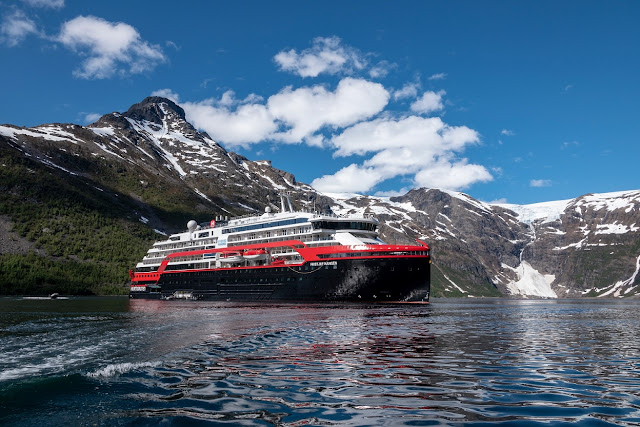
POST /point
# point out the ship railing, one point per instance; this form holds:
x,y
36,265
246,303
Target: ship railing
x,y
366,215
258,218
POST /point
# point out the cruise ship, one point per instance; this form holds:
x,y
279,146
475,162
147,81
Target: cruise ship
x,y
284,256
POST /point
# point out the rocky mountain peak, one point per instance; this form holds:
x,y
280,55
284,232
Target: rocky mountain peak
x,y
154,109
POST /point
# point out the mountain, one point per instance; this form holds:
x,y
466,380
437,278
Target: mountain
x,y
588,246
82,204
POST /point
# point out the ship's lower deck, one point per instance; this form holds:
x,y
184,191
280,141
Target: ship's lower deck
x,y
368,279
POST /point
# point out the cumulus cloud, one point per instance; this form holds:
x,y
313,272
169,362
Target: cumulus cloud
x,y
452,175
507,132
540,183
305,110
111,48
350,120
16,27
428,102
409,90
326,55
351,179
167,93
425,149
291,116
239,125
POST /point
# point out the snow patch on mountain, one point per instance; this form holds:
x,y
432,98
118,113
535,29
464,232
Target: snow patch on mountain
x,y
626,200
454,284
103,131
531,282
545,211
615,228
486,207
346,203
11,132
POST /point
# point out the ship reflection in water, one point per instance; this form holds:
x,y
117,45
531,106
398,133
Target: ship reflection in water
x,y
452,362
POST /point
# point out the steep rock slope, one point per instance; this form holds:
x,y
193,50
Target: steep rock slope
x,y
589,246
592,247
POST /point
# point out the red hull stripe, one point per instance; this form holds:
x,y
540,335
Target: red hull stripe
x,y
322,253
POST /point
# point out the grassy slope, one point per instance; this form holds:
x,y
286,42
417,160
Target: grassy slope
x,y
86,239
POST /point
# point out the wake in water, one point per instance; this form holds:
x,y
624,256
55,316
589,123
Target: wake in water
x,y
120,368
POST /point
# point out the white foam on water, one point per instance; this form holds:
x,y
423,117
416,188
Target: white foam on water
x,y
120,368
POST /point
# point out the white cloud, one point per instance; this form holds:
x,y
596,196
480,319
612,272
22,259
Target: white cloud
x,y
424,148
540,183
507,132
381,69
410,90
428,102
393,193
240,127
454,176
327,55
306,110
167,93
351,179
290,116
111,47
500,201
438,76
16,27
54,4
381,134
91,117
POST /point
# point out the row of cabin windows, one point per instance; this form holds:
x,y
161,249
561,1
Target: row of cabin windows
x,y
344,225
264,225
362,254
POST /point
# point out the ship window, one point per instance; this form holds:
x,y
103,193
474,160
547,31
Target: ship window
x,y
344,225
264,225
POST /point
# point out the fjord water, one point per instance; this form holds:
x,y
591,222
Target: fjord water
x,y
112,361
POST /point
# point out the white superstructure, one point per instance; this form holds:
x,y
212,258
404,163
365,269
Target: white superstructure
x,y
311,228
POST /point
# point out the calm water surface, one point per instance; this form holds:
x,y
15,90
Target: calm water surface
x,y
112,361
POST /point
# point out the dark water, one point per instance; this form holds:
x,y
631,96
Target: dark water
x,y
111,361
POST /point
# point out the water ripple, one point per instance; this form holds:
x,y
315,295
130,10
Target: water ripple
x,y
455,362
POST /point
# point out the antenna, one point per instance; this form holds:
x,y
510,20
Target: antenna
x,y
289,201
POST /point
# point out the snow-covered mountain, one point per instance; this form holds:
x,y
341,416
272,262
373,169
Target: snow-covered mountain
x,y
589,246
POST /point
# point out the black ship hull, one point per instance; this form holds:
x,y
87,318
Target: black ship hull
x,y
401,279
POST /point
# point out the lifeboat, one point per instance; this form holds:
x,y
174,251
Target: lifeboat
x,y
231,257
255,254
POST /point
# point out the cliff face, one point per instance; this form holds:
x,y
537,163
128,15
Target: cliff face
x,y
149,166
589,246
592,248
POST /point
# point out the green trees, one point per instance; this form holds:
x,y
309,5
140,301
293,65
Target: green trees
x,y
84,239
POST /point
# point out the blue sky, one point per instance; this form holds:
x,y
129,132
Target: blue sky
x,y
515,101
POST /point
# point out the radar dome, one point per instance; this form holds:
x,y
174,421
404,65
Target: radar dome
x,y
267,209
191,225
